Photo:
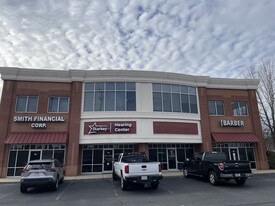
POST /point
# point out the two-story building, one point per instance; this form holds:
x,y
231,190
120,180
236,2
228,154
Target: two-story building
x,y
85,118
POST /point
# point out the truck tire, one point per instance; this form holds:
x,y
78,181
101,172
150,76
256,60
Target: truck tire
x,y
123,183
240,181
154,185
61,181
55,185
115,177
213,179
185,173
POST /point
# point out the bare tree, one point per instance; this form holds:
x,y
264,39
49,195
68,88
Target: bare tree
x,y
265,71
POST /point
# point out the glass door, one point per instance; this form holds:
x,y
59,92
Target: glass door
x,y
234,154
171,154
35,155
108,157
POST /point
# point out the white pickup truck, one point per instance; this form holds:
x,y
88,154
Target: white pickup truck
x,y
135,168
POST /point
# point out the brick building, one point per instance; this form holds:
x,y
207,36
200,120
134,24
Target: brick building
x,y
86,117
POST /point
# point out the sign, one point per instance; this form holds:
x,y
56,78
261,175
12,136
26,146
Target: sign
x,y
38,121
93,128
232,123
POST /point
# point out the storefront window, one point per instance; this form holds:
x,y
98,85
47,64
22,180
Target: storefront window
x,y
59,154
19,155
92,156
251,157
176,153
12,158
244,151
47,154
22,158
153,155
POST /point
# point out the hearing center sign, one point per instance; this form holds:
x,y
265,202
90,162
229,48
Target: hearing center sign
x,y
94,128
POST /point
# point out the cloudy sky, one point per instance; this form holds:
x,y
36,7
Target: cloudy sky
x,y
199,37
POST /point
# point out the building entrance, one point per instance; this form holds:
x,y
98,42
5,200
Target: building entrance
x,y
234,154
19,155
171,156
108,159
99,158
237,151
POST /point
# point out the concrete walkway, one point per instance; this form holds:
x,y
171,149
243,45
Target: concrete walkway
x,y
109,176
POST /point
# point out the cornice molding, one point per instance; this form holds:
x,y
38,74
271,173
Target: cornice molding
x,y
43,75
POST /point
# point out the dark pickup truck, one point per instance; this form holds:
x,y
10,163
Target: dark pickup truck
x,y
215,166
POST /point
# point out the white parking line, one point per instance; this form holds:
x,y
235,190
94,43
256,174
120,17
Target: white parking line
x,y
2,197
171,192
58,197
114,188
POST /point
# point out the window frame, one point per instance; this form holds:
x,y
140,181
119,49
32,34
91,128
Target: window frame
x,y
181,94
110,90
26,104
239,113
216,108
58,104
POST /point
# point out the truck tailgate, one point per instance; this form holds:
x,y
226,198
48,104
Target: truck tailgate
x,y
146,168
237,166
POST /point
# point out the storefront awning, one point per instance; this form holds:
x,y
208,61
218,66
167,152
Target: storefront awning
x,y
37,138
234,137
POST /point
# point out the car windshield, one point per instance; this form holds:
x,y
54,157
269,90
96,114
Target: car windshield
x,y
37,166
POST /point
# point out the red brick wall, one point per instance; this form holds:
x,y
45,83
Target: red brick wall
x,y
73,153
251,122
43,90
5,113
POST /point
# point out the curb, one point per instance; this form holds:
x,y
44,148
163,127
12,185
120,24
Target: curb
x,y
109,176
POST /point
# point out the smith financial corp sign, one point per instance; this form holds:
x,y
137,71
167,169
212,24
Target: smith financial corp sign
x,y
93,128
38,121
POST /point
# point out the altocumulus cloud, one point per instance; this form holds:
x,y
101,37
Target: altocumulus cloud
x,y
211,37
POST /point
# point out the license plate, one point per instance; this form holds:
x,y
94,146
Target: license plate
x,y
237,175
144,178
37,174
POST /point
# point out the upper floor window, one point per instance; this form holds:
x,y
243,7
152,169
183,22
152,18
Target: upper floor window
x,y
110,96
174,98
58,104
26,104
215,108
239,108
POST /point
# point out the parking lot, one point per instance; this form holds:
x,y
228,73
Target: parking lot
x,y
176,191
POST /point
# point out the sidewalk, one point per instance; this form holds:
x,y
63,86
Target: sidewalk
x,y
109,176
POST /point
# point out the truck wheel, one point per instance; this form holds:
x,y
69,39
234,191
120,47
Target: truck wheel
x,y
61,181
23,189
55,186
213,179
240,181
115,177
154,185
123,184
185,173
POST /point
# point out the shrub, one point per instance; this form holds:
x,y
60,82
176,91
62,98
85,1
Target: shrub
x,y
271,159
